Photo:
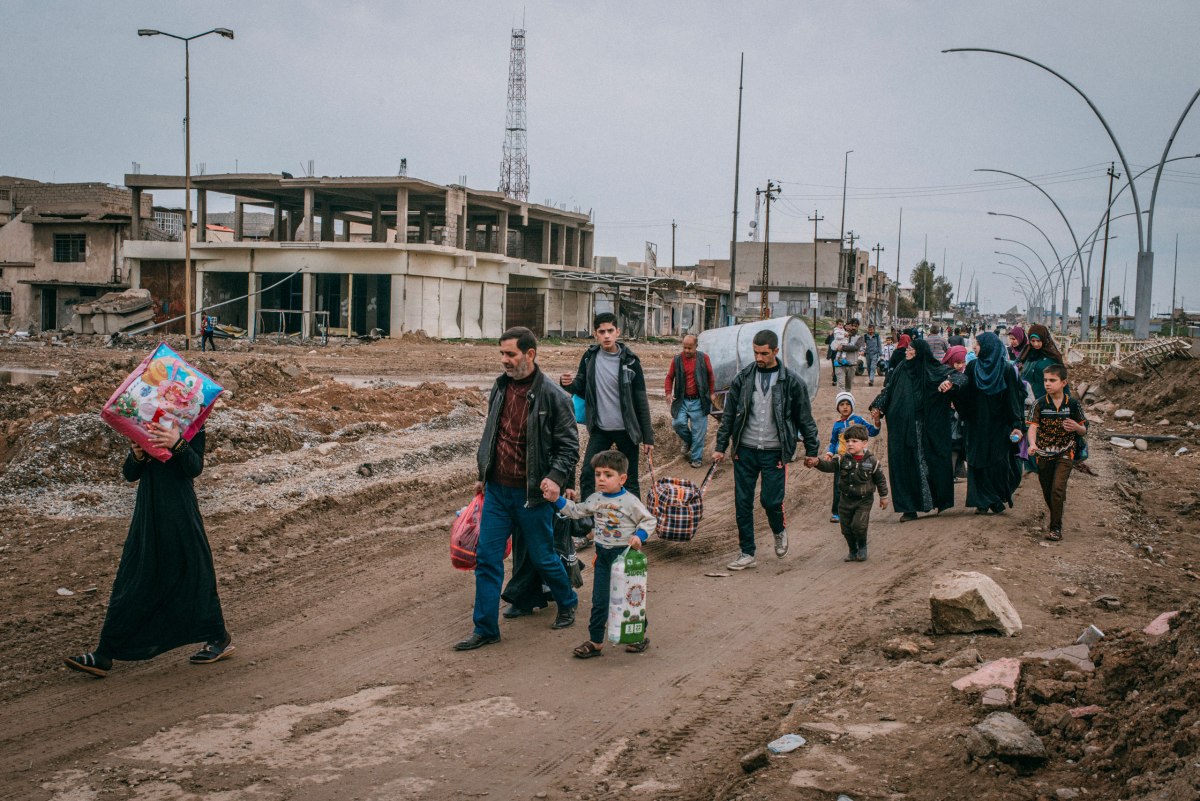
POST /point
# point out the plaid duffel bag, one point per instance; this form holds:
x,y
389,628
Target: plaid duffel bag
x,y
678,504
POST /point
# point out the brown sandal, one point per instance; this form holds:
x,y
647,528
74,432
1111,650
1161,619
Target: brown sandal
x,y
587,651
638,647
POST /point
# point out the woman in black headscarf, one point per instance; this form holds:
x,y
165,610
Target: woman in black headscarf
x,y
992,404
914,400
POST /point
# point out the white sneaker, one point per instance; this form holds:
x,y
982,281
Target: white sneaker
x,y
743,561
781,543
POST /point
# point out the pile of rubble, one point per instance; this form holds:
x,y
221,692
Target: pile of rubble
x,y
113,313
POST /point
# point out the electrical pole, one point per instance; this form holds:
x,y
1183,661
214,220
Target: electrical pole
x,y
1104,258
851,268
673,227
813,297
878,269
1174,276
737,169
896,297
770,192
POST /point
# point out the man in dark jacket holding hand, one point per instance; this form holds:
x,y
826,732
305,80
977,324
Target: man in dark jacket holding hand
x,y
611,382
766,408
529,443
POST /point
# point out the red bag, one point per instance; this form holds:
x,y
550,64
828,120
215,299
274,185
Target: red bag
x,y
464,535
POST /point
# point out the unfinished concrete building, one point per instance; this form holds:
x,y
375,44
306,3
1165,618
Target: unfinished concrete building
x,y
349,255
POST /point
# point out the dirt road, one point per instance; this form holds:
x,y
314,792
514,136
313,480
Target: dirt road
x,y
344,607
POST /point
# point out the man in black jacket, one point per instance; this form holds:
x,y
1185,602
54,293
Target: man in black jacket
x,y
767,406
611,382
529,444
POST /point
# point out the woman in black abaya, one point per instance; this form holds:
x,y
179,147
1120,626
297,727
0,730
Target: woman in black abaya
x,y
165,592
917,408
992,404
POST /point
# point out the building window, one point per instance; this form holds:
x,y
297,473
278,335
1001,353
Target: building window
x,y
70,247
5,303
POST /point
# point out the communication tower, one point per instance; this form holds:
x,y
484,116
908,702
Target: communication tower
x,y
514,169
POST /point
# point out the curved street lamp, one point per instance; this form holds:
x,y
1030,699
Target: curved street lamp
x,y
187,164
1022,286
1045,267
1145,266
1032,272
1065,276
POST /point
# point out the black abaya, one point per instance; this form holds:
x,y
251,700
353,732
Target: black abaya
x,y
993,470
920,464
165,592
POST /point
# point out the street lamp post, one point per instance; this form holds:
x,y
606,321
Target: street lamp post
x,y
1045,267
1032,272
187,164
1145,265
1065,277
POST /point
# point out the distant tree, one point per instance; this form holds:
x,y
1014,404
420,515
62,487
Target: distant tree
x,y
931,292
1114,304
906,309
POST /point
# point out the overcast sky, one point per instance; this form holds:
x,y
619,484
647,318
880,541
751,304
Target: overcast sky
x,y
632,112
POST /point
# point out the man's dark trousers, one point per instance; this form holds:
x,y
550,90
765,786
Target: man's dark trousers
x,y
747,467
1053,473
503,509
601,440
855,515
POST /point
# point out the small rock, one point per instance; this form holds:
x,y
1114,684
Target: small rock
x,y
1001,673
1091,635
1084,712
326,448
1141,444
1108,602
995,697
1070,592
1006,736
291,370
755,760
1160,625
365,470
1123,414
1066,793
64,591
899,648
1164,422
1121,442
542,794
1077,655
968,657
962,602
1181,451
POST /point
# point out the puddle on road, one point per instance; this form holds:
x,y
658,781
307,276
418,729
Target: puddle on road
x,y
23,375
273,753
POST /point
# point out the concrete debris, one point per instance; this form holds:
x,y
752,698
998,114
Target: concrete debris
x,y
965,601
1141,444
1006,736
1121,442
1079,656
1085,712
1109,602
900,648
326,448
1046,691
1123,414
1181,451
1091,635
1160,625
64,591
1000,674
113,312
1066,793
967,658
1164,422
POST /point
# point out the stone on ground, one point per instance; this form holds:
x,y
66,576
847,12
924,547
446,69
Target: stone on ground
x,y
965,601
1006,736
1002,674
1079,657
900,648
1160,625
1123,414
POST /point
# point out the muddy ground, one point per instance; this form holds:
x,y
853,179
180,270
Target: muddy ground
x,y
332,478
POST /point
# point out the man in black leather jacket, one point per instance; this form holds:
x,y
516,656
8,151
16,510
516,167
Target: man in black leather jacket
x,y
529,443
766,408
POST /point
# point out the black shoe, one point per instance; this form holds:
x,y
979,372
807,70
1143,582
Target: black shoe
x,y
475,641
862,553
565,618
513,611
908,516
998,509
851,557
982,511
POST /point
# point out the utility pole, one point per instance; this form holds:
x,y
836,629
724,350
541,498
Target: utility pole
x,y
813,297
1104,258
737,169
770,192
1174,276
878,269
851,268
843,259
896,296
673,227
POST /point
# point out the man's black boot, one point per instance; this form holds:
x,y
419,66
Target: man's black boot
x,y
565,618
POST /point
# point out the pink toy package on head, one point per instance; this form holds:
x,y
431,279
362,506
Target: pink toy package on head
x,y
163,389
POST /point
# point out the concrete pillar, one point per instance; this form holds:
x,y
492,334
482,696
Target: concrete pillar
x,y
277,227
546,229
239,209
327,224
201,216
426,227
377,228
587,237
252,286
488,229
562,246
401,219
309,210
578,249
135,215
307,287
464,223
502,245
295,220
397,306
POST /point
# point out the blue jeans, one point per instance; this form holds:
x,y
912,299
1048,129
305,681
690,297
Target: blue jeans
x,y
691,424
503,509
871,363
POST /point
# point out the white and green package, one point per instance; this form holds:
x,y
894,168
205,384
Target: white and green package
x,y
627,598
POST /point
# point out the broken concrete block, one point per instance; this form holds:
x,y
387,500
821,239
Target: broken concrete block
x,y
1160,625
1109,602
1123,414
900,648
1120,442
326,448
1002,674
1066,793
1006,736
966,658
1091,635
1164,422
995,697
1046,691
786,744
965,601
1077,655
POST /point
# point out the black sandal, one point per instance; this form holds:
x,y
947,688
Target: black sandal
x,y
1054,535
213,651
88,663
587,651
638,647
